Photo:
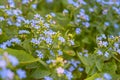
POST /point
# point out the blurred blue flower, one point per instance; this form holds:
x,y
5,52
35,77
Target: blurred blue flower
x,y
49,1
25,1
74,62
39,54
60,52
78,30
71,68
23,32
107,76
6,74
106,54
99,52
68,74
21,73
47,78
14,61
34,6
3,64
81,69
61,39
116,26
72,42
15,40
2,19
106,23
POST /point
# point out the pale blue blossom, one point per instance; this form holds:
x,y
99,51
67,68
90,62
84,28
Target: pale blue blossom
x,y
99,52
23,32
15,40
2,18
34,6
6,74
68,74
0,31
116,26
74,62
48,78
21,73
72,42
107,76
25,1
60,52
78,30
2,6
52,14
118,50
3,64
106,54
35,41
49,1
71,68
49,40
65,11
81,69
86,24
106,23
61,39
14,61
39,54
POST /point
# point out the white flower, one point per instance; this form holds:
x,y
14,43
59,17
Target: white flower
x,y
60,70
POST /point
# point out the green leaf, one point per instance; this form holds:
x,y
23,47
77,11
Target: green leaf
x,y
83,60
110,67
93,77
99,64
40,73
21,55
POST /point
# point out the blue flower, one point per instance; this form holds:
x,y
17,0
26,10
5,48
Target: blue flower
x,y
2,19
68,74
23,32
39,54
11,3
61,39
116,26
21,73
3,64
106,23
78,30
59,52
14,61
106,54
34,6
71,68
72,42
86,24
81,69
49,1
6,74
99,52
35,41
47,78
2,6
74,63
107,76
0,31
25,1
52,14
48,40
118,51
65,11
15,40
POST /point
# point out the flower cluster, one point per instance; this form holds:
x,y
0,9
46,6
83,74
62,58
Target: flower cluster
x,y
7,64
